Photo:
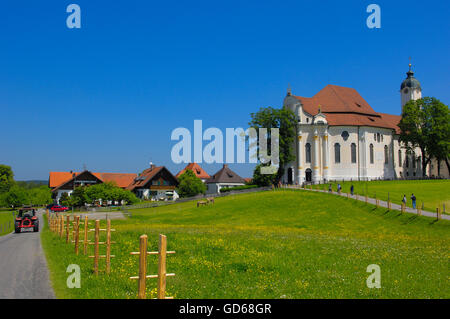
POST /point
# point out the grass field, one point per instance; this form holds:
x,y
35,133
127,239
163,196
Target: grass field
x,y
275,244
6,223
433,193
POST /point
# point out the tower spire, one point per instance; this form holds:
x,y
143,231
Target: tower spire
x,y
289,90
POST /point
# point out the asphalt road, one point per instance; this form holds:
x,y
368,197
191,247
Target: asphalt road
x,y
23,268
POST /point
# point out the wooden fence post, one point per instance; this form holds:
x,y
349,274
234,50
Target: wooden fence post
x,y
162,267
77,233
142,266
108,246
96,244
61,228
85,241
67,229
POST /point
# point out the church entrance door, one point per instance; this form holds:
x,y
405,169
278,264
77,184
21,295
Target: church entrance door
x,y
308,174
290,173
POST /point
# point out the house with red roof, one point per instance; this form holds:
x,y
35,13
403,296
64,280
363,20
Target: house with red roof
x,y
197,170
66,182
155,183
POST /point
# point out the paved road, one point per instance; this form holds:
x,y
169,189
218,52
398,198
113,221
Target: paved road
x,y
23,268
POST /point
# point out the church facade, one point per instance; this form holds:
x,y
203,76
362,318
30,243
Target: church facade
x,y
341,137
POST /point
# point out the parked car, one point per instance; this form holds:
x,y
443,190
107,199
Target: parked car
x,y
50,206
58,208
26,218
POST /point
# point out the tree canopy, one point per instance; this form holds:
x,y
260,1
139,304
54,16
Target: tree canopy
x,y
284,120
190,185
425,124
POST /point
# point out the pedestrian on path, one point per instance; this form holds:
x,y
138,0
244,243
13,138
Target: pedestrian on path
x,y
329,189
413,198
351,190
404,199
339,188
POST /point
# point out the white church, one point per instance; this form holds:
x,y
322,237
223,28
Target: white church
x,y
341,137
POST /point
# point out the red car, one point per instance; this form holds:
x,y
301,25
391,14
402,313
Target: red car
x,y
58,208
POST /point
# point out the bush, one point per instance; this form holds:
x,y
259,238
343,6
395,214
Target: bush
x,y
237,188
190,185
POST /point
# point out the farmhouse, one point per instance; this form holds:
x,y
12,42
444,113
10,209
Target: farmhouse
x,y
65,182
224,178
198,171
156,183
340,136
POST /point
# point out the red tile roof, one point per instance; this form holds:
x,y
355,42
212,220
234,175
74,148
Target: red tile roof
x,y
345,106
198,171
56,179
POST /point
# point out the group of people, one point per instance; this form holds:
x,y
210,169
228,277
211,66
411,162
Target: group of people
x,y
352,189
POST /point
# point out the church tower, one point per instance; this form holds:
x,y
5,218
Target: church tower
x,y
410,88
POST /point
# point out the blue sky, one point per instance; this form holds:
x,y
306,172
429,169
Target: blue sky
x,y
108,95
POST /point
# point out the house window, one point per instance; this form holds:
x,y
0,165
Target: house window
x,y
337,153
308,152
371,153
399,158
386,154
353,150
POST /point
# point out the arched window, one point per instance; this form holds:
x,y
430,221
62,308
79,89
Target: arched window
x,y
400,158
378,137
308,153
337,153
353,151
386,154
413,159
407,159
371,153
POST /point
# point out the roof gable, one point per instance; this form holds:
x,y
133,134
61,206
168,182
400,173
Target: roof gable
x,y
197,169
144,179
225,175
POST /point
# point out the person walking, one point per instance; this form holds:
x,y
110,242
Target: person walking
x,y
351,190
329,188
339,188
413,198
404,199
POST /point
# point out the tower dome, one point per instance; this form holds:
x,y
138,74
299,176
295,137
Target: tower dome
x,y
410,81
410,88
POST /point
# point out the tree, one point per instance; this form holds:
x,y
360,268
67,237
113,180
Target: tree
x,y
263,179
6,178
190,185
79,197
16,197
65,200
284,120
425,124
39,195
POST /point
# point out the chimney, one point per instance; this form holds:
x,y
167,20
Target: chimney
x,y
151,166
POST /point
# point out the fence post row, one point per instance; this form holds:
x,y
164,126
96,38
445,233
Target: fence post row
x,y
97,243
162,273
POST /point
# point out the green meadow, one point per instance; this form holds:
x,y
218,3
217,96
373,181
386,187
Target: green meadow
x,y
433,193
273,244
6,223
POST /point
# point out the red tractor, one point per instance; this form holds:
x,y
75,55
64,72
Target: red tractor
x,y
26,219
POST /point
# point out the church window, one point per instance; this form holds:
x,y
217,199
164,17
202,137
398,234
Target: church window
x,y
308,153
353,151
378,137
386,154
337,153
407,159
371,153
413,160
399,158
345,135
